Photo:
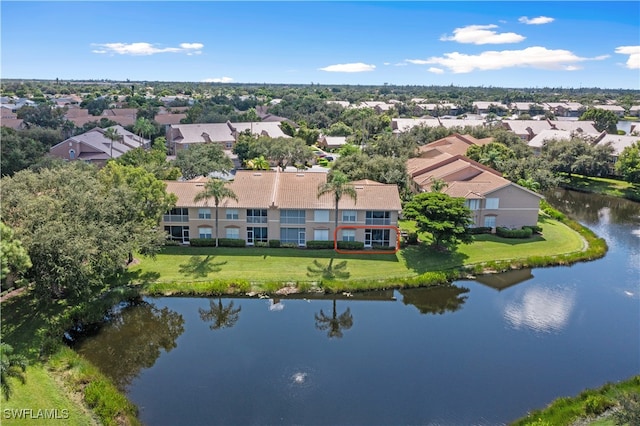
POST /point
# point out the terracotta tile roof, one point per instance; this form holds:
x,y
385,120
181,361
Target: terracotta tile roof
x,y
289,190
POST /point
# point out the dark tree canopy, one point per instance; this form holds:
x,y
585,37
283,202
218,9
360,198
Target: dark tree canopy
x,y
202,159
446,218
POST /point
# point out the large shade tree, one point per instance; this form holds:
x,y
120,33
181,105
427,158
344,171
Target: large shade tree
x,y
446,218
202,159
217,190
628,164
79,227
338,185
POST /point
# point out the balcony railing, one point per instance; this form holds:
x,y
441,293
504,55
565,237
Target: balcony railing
x,y
370,221
175,218
256,219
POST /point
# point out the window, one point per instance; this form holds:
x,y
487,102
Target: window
x,y
490,221
349,216
177,215
348,235
321,234
204,213
377,217
204,232
492,203
72,154
257,234
233,233
378,237
232,214
292,216
293,235
178,233
256,216
472,204
321,216
228,145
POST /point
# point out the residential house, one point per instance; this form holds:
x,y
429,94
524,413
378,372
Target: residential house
x,y
10,119
528,129
565,109
122,116
180,136
616,109
401,125
94,147
274,205
493,200
331,142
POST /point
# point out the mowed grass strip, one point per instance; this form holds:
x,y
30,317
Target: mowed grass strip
x,y
41,392
193,264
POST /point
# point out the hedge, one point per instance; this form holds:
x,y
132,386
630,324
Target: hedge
x,y
480,230
274,243
514,233
350,245
319,244
222,242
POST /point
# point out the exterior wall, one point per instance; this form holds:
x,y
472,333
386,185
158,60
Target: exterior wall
x,y
274,224
516,208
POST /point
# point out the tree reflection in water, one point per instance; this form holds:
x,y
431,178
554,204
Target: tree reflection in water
x,y
133,340
219,315
335,323
435,300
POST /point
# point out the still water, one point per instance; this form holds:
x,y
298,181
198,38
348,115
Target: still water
x,y
482,353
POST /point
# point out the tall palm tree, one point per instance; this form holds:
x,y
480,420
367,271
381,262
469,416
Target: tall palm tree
x,y
217,189
334,323
11,365
337,184
112,134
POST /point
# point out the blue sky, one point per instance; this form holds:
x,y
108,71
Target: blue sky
x,y
478,43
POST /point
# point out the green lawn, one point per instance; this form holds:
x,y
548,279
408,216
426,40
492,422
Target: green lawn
x,y
613,187
41,392
193,264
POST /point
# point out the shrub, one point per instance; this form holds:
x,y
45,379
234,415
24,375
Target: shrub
x,y
261,244
480,230
514,233
595,405
381,247
288,245
350,245
319,244
231,242
171,243
536,229
274,243
203,242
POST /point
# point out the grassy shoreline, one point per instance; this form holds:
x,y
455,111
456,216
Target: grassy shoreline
x,y
605,186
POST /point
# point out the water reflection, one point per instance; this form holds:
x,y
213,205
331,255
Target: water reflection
x,y
436,300
133,340
335,323
594,209
276,305
505,280
219,315
541,309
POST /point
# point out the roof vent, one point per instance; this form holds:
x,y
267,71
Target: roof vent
x,y
300,174
257,174
359,187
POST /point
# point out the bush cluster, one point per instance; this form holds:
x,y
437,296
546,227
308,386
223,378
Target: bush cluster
x,y
480,230
319,244
525,232
350,245
274,243
222,242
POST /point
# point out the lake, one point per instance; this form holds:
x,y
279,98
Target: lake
x,y
482,352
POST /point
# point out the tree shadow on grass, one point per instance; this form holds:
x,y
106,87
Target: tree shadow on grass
x,y
136,277
422,258
200,267
329,271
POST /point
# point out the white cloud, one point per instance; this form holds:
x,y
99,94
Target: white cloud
x,y
218,80
145,49
355,67
436,70
417,61
536,21
634,55
482,34
532,57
